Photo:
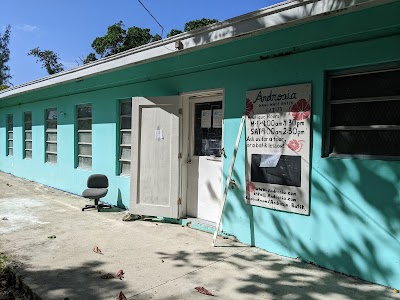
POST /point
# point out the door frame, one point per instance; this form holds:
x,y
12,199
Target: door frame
x,y
186,142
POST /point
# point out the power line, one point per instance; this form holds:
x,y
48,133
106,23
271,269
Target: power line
x,y
152,17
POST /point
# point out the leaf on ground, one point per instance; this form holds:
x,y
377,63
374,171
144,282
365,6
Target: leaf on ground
x,y
203,291
51,236
121,296
107,276
119,274
97,250
5,218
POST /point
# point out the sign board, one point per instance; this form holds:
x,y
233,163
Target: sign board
x,y
278,125
206,118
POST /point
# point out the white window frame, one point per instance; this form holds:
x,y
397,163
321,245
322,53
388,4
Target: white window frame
x,y
122,146
10,132
50,131
26,150
78,143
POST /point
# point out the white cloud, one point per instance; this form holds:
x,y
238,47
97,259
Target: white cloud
x,y
26,28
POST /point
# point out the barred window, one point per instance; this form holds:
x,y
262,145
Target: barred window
x,y
10,135
28,135
51,135
125,113
84,133
363,114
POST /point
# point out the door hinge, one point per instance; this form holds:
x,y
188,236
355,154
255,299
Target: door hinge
x,y
180,156
179,201
180,111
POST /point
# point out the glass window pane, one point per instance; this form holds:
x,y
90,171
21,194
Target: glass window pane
x,y
28,126
51,114
126,108
10,143
125,167
125,138
51,136
85,137
28,154
85,124
125,153
368,142
84,162
28,117
10,127
10,151
377,84
51,158
85,149
28,145
84,111
51,147
10,119
126,122
207,140
11,135
51,124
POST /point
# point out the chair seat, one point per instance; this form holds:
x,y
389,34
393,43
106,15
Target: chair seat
x,y
95,193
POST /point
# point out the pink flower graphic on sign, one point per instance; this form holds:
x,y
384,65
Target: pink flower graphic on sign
x,y
249,108
250,187
295,145
301,110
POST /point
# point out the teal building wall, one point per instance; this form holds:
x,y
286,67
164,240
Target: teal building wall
x,y
354,224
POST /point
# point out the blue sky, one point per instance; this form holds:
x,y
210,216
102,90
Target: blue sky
x,y
68,27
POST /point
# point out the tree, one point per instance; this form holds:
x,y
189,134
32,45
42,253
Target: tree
x,y
49,60
91,57
174,32
136,37
156,38
195,24
3,87
5,57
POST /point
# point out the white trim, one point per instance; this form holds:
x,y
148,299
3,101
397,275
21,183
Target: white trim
x,y
268,19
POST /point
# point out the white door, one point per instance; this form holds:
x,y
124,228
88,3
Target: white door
x,y
155,178
204,161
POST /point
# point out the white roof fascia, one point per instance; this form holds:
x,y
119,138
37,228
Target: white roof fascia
x,y
268,19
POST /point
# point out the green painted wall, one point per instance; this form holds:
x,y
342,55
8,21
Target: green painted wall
x,y
354,225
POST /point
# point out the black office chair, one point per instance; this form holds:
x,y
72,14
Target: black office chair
x,y
97,188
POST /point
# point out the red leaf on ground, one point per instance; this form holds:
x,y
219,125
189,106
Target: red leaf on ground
x,y
121,296
202,290
97,250
119,274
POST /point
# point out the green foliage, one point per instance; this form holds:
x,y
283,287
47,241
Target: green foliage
x,y
5,56
196,24
91,57
49,60
136,37
156,38
112,42
3,87
117,39
174,32
3,261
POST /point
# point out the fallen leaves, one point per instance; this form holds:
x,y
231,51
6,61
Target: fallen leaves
x,y
121,296
4,218
203,291
51,237
97,250
119,274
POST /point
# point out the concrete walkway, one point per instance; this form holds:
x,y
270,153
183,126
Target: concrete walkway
x,y
160,261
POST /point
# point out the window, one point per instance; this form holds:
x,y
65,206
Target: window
x,y
51,135
363,114
84,125
28,135
10,135
125,113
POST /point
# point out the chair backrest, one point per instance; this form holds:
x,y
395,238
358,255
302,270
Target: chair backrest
x,y
97,181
